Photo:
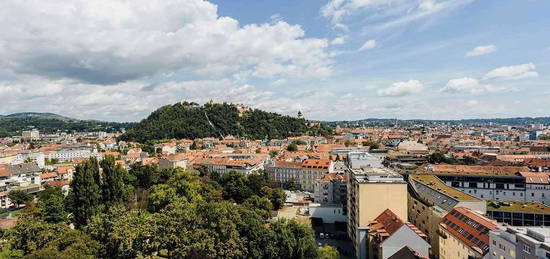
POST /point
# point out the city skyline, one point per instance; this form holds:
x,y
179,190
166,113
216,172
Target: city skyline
x,y
332,60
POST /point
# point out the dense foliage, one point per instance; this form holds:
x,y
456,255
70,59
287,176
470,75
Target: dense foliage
x,y
189,120
14,125
152,213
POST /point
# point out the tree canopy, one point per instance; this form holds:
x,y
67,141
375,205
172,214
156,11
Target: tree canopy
x,y
191,121
186,215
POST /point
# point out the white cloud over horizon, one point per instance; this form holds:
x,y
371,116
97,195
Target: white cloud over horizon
x,y
368,45
481,50
401,88
512,72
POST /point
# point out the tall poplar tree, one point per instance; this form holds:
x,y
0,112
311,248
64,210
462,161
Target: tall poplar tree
x,y
86,195
113,181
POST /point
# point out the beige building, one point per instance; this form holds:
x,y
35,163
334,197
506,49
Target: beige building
x,y
465,234
430,200
370,192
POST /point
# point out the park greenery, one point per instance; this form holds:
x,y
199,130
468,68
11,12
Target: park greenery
x,y
148,212
190,121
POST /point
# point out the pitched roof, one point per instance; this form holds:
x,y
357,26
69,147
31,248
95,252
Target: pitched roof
x,y
469,227
388,223
536,177
316,163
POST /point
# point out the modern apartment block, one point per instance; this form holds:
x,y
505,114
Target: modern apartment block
x,y
370,192
519,213
430,200
524,243
510,183
464,234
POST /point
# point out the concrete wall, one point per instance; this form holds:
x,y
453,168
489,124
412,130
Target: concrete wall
x,y
329,214
376,197
404,236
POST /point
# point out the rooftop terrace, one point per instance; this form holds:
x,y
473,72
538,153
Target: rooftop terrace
x,y
435,183
523,206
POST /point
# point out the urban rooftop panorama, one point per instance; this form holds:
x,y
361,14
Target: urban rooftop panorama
x,y
275,129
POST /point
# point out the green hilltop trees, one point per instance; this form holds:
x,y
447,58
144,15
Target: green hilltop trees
x,y
191,121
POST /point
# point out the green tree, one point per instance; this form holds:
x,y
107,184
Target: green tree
x,y
295,240
113,183
277,198
371,144
122,234
328,252
292,147
36,238
200,230
50,203
262,206
235,186
19,197
160,196
86,194
290,185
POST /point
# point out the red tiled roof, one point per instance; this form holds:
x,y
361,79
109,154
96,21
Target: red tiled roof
x,y
473,229
57,183
48,175
328,177
316,163
388,223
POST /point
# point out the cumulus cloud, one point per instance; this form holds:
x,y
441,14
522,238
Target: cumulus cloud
x,y
401,88
338,40
513,72
106,42
481,50
368,45
467,85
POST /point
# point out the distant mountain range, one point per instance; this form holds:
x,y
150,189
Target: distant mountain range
x,y
518,121
42,115
14,124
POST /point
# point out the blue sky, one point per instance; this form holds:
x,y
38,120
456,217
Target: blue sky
x,y
331,59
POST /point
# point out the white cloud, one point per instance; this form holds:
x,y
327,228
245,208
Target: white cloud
x,y
401,88
368,45
105,41
513,72
338,40
467,85
392,12
481,50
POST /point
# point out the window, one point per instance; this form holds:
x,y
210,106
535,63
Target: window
x,y
527,249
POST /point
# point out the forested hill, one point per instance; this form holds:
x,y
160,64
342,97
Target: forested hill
x,y
190,120
14,124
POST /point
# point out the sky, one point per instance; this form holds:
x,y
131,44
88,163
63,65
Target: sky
x,y
119,60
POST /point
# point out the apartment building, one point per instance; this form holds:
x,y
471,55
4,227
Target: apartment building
x,y
537,186
464,233
484,182
370,192
313,169
330,189
519,213
430,200
525,243
388,234
24,177
282,171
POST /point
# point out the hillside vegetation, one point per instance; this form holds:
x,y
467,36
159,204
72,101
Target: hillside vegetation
x,y
190,120
12,125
